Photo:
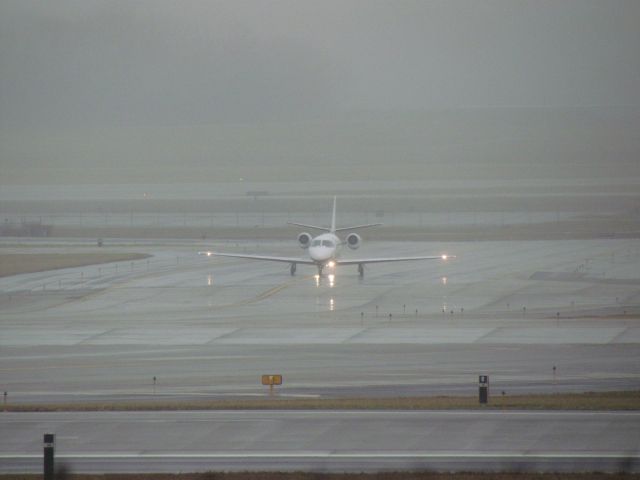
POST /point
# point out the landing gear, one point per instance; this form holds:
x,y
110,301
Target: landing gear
x,y
361,270
293,269
320,267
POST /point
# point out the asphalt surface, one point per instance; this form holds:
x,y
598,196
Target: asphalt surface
x,y
212,327
209,328
324,441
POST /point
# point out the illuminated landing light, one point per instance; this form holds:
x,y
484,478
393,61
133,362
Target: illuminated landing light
x,y
317,279
445,256
332,279
209,254
444,280
331,264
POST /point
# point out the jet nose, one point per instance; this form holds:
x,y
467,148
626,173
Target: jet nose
x,y
320,253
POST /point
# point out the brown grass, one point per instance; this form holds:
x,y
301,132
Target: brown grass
x,y
562,401
333,476
13,264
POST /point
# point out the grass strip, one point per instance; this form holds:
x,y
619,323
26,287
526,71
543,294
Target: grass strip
x,y
622,400
14,264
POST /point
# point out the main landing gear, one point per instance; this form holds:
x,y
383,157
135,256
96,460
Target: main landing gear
x,y
361,270
293,269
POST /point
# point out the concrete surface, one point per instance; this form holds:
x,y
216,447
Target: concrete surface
x,y
211,327
324,441
205,326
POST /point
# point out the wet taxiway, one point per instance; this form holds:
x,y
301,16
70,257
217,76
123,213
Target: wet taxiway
x,y
206,327
325,441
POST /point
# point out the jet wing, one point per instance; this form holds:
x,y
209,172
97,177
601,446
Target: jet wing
x,y
303,261
361,261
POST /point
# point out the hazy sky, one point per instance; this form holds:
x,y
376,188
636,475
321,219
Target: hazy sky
x,y
155,62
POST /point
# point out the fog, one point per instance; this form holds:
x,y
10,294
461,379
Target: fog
x,y
497,140
162,92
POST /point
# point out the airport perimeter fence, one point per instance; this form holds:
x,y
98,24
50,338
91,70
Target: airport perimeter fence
x,y
250,219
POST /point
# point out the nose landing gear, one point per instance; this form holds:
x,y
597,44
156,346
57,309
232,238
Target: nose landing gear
x,y
361,269
293,269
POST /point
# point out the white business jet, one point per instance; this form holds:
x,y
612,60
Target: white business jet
x,y
325,248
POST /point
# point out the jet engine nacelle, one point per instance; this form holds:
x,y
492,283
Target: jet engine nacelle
x,y
353,241
304,239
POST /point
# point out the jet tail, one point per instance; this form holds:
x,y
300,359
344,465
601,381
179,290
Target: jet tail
x,y
333,217
333,228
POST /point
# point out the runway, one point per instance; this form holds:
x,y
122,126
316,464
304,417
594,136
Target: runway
x,y
325,441
179,326
211,327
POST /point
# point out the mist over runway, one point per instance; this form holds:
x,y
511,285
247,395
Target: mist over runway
x,y
502,132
